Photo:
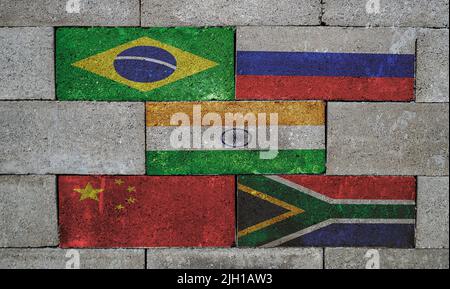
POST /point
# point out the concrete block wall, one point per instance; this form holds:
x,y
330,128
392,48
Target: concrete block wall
x,y
41,137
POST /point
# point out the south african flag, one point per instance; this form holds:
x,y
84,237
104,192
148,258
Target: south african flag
x,y
326,211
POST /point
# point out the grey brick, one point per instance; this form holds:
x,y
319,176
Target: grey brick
x,y
53,258
432,66
432,212
64,12
387,139
234,258
230,12
364,258
28,215
26,63
410,13
41,137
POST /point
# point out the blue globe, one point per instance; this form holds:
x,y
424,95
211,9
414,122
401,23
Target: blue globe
x,y
145,64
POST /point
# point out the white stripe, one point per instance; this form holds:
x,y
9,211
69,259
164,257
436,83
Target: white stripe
x,y
375,221
338,201
147,59
331,222
289,137
326,39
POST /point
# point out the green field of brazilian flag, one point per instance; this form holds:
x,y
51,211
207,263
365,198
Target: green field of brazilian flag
x,y
107,64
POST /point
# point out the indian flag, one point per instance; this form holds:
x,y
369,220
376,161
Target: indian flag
x,y
239,137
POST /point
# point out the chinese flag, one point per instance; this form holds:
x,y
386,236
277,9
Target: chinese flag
x,y
146,211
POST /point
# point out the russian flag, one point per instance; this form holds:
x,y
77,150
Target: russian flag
x,y
305,63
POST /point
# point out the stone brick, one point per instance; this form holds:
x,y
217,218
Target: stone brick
x,y
432,212
69,12
28,211
282,258
412,13
230,12
387,139
72,137
52,258
432,66
364,258
26,64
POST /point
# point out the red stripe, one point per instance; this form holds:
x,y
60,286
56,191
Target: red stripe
x,y
359,187
324,88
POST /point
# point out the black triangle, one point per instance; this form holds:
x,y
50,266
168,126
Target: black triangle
x,y
253,210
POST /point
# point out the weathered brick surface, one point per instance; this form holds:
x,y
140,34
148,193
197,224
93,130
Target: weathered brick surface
x,y
304,258
26,63
432,65
69,12
387,139
49,128
72,137
412,13
49,258
230,12
28,211
363,258
432,212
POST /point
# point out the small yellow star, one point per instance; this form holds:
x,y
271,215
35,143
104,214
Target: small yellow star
x,y
120,207
88,192
131,200
131,189
118,182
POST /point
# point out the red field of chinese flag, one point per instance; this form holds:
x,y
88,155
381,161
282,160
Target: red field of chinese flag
x,y
146,211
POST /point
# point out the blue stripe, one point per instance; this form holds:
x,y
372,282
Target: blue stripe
x,y
324,64
361,235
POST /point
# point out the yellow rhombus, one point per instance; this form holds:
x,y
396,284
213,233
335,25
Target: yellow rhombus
x,y
103,64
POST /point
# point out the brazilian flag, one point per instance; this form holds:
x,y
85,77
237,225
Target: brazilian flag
x,y
141,64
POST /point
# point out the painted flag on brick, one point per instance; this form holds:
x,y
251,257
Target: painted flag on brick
x,y
122,64
326,211
198,138
144,211
298,63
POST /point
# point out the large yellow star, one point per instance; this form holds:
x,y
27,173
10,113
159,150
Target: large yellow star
x,y
88,192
